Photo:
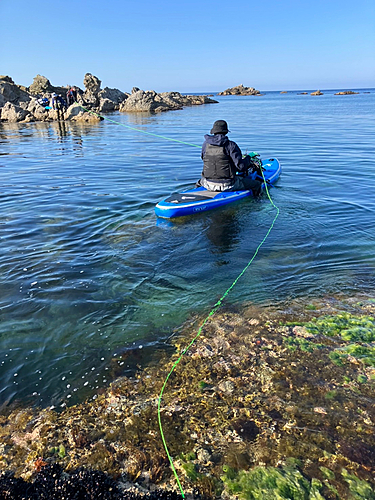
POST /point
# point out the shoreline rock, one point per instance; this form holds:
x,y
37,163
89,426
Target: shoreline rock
x,y
149,101
317,92
24,104
240,90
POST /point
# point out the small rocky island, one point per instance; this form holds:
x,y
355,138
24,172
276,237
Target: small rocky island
x,y
240,90
33,103
346,92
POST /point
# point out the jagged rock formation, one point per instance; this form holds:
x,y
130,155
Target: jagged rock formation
x,y
22,104
149,101
317,92
240,90
40,85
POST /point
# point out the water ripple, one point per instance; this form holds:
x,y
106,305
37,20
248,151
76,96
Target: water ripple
x,y
86,270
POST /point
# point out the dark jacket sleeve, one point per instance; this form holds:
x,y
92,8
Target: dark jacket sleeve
x,y
235,154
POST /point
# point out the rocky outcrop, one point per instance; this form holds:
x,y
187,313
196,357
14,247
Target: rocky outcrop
x,y
346,92
91,83
75,113
40,85
92,88
22,104
110,99
240,90
12,113
10,92
317,92
149,101
19,104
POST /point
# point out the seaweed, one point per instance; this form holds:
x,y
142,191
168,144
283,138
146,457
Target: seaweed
x,y
271,483
269,401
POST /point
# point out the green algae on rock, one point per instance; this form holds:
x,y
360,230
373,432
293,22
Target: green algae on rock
x,y
271,483
257,392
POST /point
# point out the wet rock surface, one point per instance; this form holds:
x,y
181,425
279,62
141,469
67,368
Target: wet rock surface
x,y
278,400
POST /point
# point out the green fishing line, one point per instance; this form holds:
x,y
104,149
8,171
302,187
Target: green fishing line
x,y
214,308
212,312
139,130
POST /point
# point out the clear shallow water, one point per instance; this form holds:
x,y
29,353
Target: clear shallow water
x,y
87,271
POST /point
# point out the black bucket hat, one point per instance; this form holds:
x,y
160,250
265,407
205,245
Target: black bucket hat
x,y
220,127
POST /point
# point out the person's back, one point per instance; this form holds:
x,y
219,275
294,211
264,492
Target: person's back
x,y
217,164
222,159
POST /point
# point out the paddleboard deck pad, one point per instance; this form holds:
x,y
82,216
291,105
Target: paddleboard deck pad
x,y
199,199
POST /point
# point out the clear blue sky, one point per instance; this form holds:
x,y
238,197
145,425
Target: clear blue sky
x,y
191,46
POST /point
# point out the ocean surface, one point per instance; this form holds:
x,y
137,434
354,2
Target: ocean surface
x,y
89,274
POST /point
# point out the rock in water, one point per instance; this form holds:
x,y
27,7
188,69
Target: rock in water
x,y
240,90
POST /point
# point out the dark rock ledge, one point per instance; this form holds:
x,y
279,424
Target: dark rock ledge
x,y
24,104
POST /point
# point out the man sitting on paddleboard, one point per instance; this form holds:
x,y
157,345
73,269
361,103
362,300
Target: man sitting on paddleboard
x,y
222,159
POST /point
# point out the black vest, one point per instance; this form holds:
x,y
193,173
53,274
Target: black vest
x,y
217,164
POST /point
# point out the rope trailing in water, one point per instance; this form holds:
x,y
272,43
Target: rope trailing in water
x,y
138,129
214,308
212,312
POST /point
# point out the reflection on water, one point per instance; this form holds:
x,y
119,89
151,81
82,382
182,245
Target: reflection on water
x,y
223,230
87,272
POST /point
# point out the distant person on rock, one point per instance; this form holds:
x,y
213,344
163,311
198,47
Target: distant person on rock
x,y
71,96
222,160
59,104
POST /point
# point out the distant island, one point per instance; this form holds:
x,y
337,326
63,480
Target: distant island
x,y
346,92
35,103
240,90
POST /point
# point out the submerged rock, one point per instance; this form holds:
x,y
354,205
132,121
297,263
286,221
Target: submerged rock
x,y
264,400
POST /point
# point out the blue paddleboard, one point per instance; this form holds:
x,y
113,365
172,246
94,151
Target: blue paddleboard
x,y
199,199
